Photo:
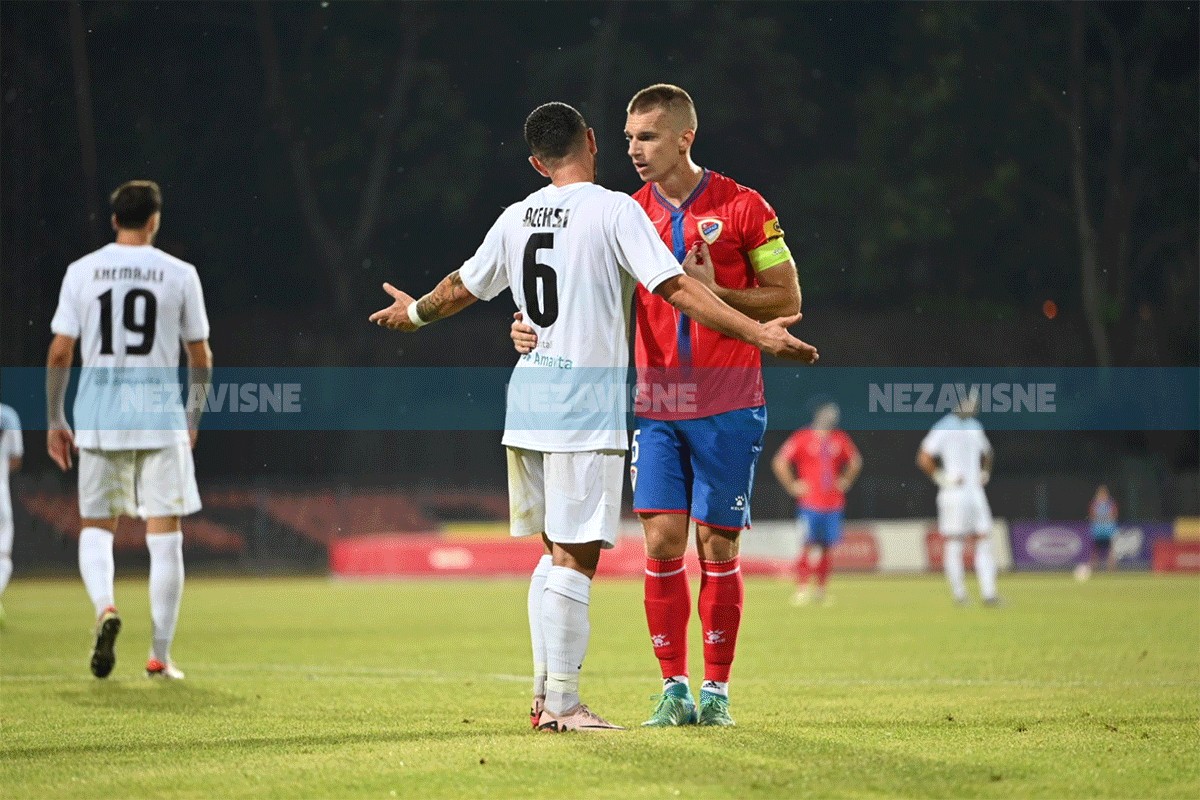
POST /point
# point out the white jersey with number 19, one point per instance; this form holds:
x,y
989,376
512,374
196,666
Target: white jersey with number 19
x,y
572,256
130,306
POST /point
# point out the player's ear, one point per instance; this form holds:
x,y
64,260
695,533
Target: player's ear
x,y
537,165
591,140
113,220
685,140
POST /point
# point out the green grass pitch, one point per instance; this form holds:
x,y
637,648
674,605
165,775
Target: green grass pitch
x,y
312,688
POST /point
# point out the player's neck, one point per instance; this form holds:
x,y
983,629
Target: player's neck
x,y
679,184
134,237
573,172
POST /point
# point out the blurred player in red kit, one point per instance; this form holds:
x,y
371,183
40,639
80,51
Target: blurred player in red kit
x,y
817,466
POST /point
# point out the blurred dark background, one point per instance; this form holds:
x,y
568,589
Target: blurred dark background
x,y
942,170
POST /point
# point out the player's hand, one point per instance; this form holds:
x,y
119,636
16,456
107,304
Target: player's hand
x,y
60,443
193,435
524,338
843,485
698,264
946,481
984,477
799,489
776,340
395,316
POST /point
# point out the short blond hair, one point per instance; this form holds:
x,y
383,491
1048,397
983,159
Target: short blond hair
x,y
674,100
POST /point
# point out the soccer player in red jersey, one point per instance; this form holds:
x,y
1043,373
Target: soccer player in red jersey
x,y
817,466
700,412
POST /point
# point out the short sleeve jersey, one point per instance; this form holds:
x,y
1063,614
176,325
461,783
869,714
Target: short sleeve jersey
x,y
818,461
572,256
130,306
11,446
744,238
960,444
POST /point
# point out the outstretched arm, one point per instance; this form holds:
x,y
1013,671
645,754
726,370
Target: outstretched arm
x,y
448,298
697,301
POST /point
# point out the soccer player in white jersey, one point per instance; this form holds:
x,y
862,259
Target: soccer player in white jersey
x,y
129,305
572,253
957,456
12,449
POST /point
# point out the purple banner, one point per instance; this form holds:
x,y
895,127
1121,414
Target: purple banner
x,y
1062,545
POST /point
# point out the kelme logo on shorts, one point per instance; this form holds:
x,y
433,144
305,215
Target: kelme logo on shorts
x,y
710,229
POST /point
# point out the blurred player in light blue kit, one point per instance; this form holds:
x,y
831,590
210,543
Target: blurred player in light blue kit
x,y
1102,514
11,451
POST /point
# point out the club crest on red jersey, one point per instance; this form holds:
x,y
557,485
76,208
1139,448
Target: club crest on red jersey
x,y
710,229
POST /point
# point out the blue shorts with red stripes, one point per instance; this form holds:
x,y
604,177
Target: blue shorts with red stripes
x,y
700,467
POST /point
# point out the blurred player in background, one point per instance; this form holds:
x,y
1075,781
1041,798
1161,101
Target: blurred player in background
x,y
694,454
572,253
957,456
817,466
12,449
1102,514
129,304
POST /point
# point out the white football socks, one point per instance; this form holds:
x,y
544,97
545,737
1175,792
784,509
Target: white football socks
x,y
676,680
567,629
952,562
537,586
96,566
5,572
985,568
166,589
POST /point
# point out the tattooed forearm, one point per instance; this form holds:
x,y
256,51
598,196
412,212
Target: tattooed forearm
x,y
447,298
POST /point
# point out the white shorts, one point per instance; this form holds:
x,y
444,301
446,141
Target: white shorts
x,y
137,483
964,511
571,497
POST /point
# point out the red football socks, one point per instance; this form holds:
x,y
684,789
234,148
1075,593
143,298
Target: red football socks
x,y
721,596
668,608
823,569
803,567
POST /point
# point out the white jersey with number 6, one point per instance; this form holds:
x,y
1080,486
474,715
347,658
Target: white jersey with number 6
x,y
572,256
130,306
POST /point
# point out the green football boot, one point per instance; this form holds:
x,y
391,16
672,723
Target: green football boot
x,y
675,707
714,710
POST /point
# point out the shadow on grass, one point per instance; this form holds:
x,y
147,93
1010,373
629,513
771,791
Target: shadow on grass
x,y
154,696
234,745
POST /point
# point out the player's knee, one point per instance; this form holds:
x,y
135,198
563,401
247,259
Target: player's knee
x,y
582,557
162,525
666,535
715,544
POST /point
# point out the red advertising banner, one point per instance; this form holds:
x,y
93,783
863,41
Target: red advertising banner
x,y
857,552
1170,556
934,544
407,555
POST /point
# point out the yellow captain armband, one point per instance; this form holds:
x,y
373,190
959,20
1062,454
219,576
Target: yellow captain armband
x,y
771,254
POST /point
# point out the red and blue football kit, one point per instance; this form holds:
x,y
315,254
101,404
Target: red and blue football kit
x,y
700,415
744,238
819,461
700,409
